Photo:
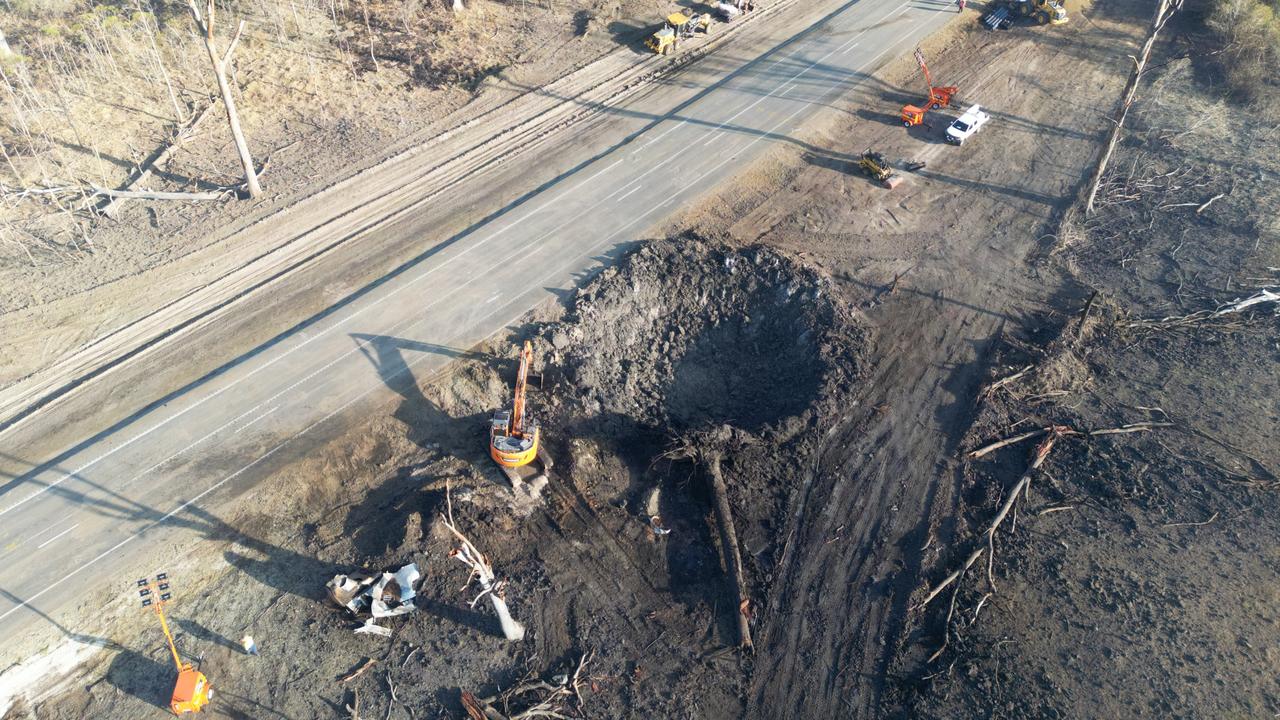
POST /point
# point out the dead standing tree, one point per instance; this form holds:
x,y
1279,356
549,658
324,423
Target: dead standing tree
x,y
221,62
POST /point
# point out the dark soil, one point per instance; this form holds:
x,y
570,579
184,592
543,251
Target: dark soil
x,y
585,574
1140,577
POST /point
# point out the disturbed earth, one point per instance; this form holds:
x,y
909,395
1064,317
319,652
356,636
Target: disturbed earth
x,y
842,350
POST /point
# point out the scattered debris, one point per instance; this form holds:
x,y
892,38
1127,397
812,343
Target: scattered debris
x,y
372,628
382,595
534,697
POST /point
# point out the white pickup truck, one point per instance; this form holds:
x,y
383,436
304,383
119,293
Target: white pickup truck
x,y
966,125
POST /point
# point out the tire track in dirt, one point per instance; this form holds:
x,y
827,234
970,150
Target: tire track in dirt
x,y
856,543
877,482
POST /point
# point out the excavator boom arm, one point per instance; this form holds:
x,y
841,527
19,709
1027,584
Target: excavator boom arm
x,y
522,381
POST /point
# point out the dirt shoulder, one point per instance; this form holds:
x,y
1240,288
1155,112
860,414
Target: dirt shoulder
x,y
903,297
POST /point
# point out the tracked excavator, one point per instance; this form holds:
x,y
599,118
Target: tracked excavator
x,y
514,437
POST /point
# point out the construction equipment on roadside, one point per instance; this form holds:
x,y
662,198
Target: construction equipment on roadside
x,y
877,168
678,27
1043,12
728,10
514,436
192,691
939,97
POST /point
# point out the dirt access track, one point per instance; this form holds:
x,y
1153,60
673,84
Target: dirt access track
x,y
843,464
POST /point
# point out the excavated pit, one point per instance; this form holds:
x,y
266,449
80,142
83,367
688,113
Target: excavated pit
x,y
687,335
680,340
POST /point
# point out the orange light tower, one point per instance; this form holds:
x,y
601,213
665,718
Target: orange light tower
x,y
192,692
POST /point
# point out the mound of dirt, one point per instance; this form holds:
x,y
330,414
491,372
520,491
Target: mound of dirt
x,y
688,335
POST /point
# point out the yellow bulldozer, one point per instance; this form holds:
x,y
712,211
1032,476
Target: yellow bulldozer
x,y
678,27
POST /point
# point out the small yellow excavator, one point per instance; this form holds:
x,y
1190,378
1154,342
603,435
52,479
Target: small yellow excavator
x,y
192,691
678,27
513,436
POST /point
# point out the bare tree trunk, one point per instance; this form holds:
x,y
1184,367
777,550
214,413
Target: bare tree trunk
x,y
220,65
1166,9
729,547
482,571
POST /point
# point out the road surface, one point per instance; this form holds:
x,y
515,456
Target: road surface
x,y
75,519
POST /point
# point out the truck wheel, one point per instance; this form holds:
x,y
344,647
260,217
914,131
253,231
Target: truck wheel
x,y
906,123
936,106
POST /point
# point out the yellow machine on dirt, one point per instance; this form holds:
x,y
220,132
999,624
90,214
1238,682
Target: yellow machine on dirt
x,y
678,27
1044,12
874,166
192,692
513,436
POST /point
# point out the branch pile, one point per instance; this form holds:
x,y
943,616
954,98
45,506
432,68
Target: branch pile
x,y
533,698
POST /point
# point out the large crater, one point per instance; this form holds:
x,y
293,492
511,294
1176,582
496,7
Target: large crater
x,y
685,334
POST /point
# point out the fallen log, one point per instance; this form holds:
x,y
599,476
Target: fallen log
x,y
1163,13
360,670
1042,452
159,159
152,195
729,548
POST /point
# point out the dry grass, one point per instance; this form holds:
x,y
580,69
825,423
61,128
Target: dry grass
x,y
1250,30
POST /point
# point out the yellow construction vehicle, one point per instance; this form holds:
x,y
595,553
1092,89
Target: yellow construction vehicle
x,y
877,168
678,27
1045,12
939,97
192,691
513,436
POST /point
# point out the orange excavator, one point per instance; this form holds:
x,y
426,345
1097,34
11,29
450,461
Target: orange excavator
x,y
192,692
939,97
513,436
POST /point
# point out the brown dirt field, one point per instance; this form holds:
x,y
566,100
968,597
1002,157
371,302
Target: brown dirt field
x,y
847,486
1141,576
